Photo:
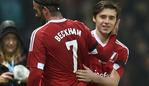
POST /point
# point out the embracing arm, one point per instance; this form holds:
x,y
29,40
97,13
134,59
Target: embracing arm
x,y
89,76
110,80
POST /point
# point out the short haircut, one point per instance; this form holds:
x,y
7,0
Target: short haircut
x,y
52,5
103,4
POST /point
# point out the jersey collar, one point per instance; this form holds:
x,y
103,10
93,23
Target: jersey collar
x,y
58,20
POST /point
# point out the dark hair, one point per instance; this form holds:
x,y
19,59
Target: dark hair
x,y
52,5
106,4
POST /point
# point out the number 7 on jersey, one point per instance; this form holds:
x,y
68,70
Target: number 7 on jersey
x,y
74,44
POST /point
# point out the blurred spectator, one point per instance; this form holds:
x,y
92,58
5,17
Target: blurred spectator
x,y
12,56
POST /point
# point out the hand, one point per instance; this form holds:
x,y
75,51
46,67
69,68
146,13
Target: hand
x,y
108,66
85,75
6,77
115,29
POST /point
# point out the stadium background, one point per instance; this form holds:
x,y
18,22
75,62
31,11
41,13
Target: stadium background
x,y
133,32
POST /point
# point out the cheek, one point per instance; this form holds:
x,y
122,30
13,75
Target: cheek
x,y
37,12
10,44
5,43
10,48
113,23
99,24
113,26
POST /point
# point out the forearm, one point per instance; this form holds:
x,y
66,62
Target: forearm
x,y
111,80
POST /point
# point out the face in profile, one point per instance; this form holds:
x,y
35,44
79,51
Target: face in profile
x,y
10,42
38,12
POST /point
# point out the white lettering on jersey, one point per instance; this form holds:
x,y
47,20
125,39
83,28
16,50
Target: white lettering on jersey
x,y
69,31
74,50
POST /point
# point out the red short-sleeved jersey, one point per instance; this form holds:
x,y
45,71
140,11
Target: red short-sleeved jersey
x,y
58,48
120,49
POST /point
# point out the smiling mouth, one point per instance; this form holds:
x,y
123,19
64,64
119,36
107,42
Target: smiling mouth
x,y
105,28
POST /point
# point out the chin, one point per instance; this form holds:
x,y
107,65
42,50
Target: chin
x,y
10,51
105,32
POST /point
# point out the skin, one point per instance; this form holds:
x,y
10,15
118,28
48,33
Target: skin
x,y
39,12
9,43
5,77
106,24
88,75
43,13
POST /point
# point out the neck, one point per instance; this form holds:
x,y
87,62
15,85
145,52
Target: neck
x,y
102,36
55,18
9,55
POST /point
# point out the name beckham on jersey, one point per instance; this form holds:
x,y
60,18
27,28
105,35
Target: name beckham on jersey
x,y
66,32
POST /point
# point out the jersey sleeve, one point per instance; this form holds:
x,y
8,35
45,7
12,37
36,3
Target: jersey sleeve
x,y
36,58
120,63
89,39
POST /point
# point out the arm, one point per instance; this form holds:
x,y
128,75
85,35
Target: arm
x,y
36,59
35,77
88,76
111,80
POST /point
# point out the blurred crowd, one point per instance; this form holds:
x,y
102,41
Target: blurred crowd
x,y
133,29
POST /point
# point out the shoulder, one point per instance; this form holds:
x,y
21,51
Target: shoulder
x,y
121,46
79,23
39,30
123,51
37,35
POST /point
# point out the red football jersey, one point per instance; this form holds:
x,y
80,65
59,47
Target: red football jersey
x,y
59,48
120,51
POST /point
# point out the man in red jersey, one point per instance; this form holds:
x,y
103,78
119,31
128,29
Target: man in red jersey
x,y
59,47
105,71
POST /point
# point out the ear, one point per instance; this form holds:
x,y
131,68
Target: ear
x,y
45,11
117,23
115,30
94,20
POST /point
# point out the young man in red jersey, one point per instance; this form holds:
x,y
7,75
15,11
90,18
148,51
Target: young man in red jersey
x,y
105,71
